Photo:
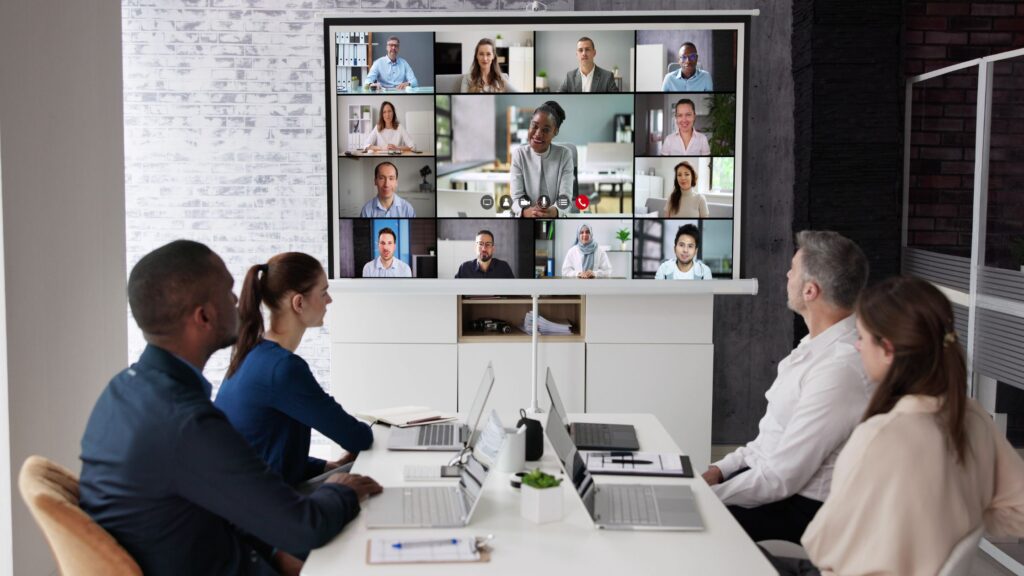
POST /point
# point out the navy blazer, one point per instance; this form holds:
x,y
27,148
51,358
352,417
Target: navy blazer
x,y
165,473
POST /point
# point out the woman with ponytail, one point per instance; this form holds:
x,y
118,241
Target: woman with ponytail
x,y
927,466
270,394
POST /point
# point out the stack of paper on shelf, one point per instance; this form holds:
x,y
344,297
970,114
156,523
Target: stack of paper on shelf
x,y
545,326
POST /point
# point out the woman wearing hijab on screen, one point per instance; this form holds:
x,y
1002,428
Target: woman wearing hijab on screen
x,y
540,169
685,201
586,259
387,134
485,75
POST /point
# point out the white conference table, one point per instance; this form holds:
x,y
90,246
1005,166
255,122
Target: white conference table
x,y
570,546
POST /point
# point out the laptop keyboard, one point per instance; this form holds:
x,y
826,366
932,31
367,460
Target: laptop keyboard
x,y
436,435
591,435
431,506
633,505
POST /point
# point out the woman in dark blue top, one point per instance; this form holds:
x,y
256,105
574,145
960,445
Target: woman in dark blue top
x,y
270,395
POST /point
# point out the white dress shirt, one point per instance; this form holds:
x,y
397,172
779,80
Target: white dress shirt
x,y
587,79
817,399
673,145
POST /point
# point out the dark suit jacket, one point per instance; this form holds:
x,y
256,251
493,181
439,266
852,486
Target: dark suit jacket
x,y
604,81
165,473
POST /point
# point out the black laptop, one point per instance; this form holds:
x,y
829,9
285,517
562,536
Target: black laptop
x,y
592,436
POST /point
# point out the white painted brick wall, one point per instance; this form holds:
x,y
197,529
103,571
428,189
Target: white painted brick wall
x,y
224,130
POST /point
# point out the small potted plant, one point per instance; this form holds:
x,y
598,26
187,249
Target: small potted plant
x,y
499,42
542,79
542,497
623,235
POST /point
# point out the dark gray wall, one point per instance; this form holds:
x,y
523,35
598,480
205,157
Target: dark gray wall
x,y
416,47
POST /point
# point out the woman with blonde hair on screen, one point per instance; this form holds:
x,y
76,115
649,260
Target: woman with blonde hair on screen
x,y
927,465
485,74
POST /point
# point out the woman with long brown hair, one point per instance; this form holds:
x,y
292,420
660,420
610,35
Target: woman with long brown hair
x,y
270,395
485,74
685,201
927,466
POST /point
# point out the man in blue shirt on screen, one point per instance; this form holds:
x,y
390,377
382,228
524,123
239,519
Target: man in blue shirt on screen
x,y
387,204
688,78
386,265
391,71
164,472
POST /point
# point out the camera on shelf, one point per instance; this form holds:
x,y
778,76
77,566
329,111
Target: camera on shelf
x,y
491,325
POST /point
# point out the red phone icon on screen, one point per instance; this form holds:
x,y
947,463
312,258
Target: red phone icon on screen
x,y
582,202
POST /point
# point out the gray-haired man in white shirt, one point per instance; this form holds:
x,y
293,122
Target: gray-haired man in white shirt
x,y
775,484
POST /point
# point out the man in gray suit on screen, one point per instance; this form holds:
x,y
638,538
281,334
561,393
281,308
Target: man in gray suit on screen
x,y
589,77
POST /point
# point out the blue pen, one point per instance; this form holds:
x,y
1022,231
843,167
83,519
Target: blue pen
x,y
416,543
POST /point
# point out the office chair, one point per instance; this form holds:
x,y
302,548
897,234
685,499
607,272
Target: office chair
x,y
80,546
783,549
673,67
962,557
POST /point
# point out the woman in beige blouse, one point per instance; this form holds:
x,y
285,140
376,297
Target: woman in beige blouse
x,y
927,466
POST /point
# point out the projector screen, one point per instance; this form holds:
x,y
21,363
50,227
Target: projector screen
x,y
575,145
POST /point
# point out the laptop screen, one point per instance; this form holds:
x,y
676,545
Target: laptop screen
x,y
571,460
472,478
556,398
482,393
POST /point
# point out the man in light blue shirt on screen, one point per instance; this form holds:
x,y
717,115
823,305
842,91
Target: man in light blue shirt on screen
x,y
386,265
688,78
387,204
391,71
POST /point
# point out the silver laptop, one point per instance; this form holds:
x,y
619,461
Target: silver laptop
x,y
429,506
592,435
446,436
624,506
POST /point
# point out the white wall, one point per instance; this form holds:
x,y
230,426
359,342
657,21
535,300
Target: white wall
x,y
64,239
6,544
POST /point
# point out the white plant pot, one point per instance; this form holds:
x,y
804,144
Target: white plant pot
x,y
624,245
542,81
541,505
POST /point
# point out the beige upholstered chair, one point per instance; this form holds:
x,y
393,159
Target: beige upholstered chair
x,y
81,547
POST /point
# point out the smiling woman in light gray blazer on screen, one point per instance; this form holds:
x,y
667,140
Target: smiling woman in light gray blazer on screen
x,y
540,168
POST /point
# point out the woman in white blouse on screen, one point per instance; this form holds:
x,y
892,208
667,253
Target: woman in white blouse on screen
x,y
388,134
586,259
485,75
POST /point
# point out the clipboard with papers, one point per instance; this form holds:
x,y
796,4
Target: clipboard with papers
x,y
427,550
637,463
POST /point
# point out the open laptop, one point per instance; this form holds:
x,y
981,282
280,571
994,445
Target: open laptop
x,y
446,436
430,506
592,436
624,506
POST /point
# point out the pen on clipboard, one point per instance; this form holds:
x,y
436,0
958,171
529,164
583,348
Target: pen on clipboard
x,y
418,543
425,420
631,461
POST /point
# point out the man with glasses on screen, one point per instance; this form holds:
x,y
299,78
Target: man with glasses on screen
x,y
386,265
485,265
391,71
688,78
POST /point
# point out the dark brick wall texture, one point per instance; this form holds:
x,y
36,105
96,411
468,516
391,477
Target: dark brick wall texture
x,y
938,34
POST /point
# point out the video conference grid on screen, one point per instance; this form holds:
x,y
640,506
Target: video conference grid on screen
x,y
513,153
